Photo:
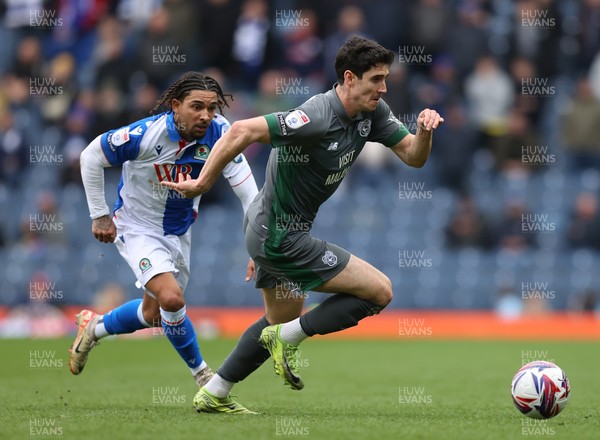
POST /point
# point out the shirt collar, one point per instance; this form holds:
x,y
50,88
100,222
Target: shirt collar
x,y
174,134
171,128
340,110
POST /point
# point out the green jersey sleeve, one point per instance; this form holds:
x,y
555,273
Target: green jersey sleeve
x,y
301,126
387,129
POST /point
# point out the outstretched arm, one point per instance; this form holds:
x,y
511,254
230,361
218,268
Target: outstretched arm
x,y
240,135
414,149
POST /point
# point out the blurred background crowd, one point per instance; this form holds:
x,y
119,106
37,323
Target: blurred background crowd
x,y
505,214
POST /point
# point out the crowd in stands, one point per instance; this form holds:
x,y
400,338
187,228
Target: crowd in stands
x,y
517,159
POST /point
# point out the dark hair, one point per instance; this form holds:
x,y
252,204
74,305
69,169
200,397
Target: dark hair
x,y
358,55
184,85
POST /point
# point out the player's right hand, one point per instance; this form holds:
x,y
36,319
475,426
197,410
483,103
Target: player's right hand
x,y
185,185
250,271
104,229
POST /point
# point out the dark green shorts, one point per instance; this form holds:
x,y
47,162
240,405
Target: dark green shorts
x,y
301,260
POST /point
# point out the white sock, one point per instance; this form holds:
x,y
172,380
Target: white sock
x,y
140,315
100,330
199,368
292,333
219,387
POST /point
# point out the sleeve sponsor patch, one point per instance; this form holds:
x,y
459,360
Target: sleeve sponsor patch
x,y
281,121
296,119
119,137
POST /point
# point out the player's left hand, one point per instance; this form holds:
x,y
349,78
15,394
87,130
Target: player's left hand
x,y
429,120
251,271
186,186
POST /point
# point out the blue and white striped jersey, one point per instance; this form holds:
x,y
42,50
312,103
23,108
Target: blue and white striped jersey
x,y
151,151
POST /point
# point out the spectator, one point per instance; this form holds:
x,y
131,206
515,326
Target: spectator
x,y
508,148
580,127
468,227
439,88
490,95
13,150
536,34
144,100
113,65
28,62
594,76
302,47
468,38
47,220
250,41
429,25
584,226
56,106
398,93
160,58
76,137
509,231
458,139
350,21
523,72
588,33
215,19
111,109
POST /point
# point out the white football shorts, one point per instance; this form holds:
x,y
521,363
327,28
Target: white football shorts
x,y
149,252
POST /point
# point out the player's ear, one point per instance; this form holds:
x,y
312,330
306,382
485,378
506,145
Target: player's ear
x,y
175,104
349,78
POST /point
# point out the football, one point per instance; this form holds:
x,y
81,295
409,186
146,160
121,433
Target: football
x,y
540,389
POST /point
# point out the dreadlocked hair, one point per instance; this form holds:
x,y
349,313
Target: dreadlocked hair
x,y
184,85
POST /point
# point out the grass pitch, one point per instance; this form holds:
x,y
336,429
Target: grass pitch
x,y
408,389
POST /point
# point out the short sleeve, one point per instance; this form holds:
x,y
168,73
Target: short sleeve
x,y
122,144
299,126
387,129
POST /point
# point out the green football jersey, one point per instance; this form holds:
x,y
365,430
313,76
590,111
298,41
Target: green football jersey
x,y
315,145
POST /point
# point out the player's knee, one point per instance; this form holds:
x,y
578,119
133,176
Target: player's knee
x,y
384,293
172,301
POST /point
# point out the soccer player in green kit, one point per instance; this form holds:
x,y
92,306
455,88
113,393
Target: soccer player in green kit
x,y
314,146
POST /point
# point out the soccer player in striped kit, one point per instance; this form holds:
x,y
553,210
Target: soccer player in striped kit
x,y
150,224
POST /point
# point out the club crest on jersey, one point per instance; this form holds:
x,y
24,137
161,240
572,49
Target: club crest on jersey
x,y
296,119
145,264
364,127
330,259
202,152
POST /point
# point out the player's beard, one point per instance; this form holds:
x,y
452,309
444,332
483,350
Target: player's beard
x,y
198,131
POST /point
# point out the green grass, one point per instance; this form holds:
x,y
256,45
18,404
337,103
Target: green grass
x,y
139,389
